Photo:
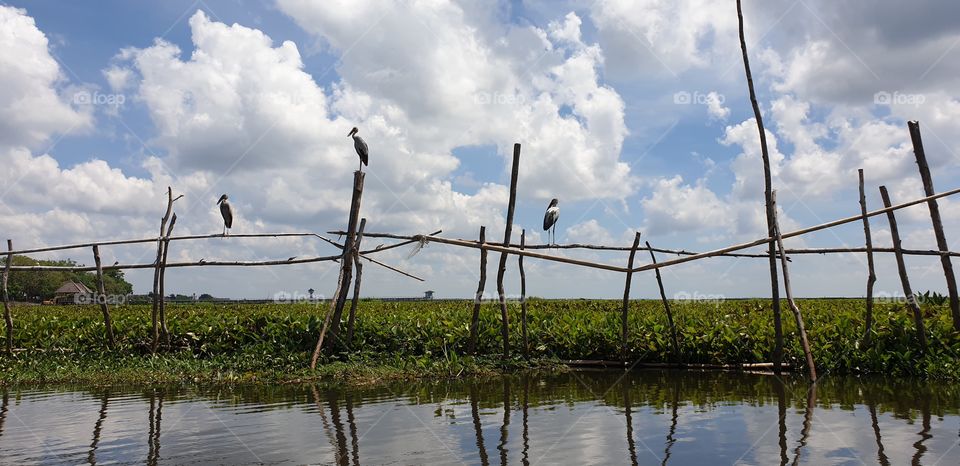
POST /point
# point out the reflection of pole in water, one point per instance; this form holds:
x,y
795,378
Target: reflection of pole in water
x,y
526,435
881,455
97,428
626,410
807,421
504,428
477,427
323,415
924,432
343,457
782,417
3,410
354,441
156,412
673,423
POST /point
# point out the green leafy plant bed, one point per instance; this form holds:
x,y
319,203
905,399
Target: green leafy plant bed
x,y
272,342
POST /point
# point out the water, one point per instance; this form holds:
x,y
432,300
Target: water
x,y
579,418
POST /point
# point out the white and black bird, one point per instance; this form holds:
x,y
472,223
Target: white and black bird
x,y
360,146
550,220
227,212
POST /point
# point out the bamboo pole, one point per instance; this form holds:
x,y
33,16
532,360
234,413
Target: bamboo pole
x,y
478,298
154,239
351,319
804,342
523,297
102,290
164,332
7,316
902,269
666,306
871,275
502,269
157,266
346,263
625,307
937,222
767,194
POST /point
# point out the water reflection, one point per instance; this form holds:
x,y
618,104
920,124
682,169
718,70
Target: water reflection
x,y
666,417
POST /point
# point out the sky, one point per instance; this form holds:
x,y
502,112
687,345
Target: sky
x,y
634,114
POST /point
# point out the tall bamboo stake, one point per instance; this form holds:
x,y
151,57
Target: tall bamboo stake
x,y
811,367
478,298
937,222
7,317
666,306
625,307
502,269
523,297
902,268
767,194
356,283
164,332
871,275
157,266
102,290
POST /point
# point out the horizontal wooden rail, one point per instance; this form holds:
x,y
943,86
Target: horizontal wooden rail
x,y
154,240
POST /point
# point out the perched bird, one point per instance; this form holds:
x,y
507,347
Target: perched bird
x,y
360,146
550,219
227,212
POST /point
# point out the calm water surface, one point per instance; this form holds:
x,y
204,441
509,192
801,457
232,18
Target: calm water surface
x,y
675,418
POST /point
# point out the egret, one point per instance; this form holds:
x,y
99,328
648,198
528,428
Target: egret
x,y
550,219
360,146
227,212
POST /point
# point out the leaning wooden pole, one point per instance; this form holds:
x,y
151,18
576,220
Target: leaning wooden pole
x,y
102,298
666,306
804,342
502,269
902,268
767,194
7,317
523,297
352,318
478,298
346,268
871,275
625,307
937,222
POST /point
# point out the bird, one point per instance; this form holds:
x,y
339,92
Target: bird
x,y
550,219
227,212
360,146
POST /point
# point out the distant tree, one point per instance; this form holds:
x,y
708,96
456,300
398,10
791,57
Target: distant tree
x,y
206,297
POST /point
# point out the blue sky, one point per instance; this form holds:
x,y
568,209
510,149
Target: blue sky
x,y
252,98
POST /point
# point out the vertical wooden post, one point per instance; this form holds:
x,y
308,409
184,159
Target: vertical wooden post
x,y
157,297
523,297
356,284
502,269
937,222
478,298
7,317
102,290
902,268
767,192
666,306
338,300
163,273
625,308
811,367
871,275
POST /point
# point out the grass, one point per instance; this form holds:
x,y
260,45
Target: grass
x,y
272,343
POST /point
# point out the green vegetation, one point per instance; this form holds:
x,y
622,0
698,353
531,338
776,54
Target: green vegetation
x,y
218,342
36,285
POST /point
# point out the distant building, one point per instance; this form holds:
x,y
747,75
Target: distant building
x,y
428,294
72,292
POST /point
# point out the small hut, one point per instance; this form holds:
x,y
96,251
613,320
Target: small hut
x,y
72,292
428,294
